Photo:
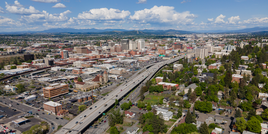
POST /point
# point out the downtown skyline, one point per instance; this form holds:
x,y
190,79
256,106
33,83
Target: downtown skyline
x,y
190,15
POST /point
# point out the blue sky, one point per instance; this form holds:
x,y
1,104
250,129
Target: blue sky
x,y
192,15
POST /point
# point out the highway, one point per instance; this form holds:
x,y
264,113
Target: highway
x,y
81,121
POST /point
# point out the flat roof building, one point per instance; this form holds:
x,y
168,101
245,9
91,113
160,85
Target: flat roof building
x,y
52,107
55,89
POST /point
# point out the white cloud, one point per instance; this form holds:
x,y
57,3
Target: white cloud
x,y
59,5
210,19
4,20
45,16
103,14
233,19
185,1
142,1
255,20
1,10
163,14
220,18
17,8
47,1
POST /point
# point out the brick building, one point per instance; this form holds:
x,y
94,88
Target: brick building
x,y
56,89
177,45
159,79
168,86
237,78
161,51
77,71
52,107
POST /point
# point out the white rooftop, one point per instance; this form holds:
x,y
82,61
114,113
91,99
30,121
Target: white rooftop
x,y
53,104
165,83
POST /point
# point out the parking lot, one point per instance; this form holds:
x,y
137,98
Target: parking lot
x,y
8,112
27,125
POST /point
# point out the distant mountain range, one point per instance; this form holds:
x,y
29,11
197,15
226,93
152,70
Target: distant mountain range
x,y
135,32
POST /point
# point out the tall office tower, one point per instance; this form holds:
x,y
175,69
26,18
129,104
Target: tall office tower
x,y
125,44
64,54
111,44
132,45
141,43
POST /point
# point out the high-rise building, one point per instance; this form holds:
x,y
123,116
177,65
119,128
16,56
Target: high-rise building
x,y
64,54
49,61
125,44
118,48
83,50
111,44
132,45
201,53
141,43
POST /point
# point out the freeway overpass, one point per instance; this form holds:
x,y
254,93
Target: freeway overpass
x,y
88,116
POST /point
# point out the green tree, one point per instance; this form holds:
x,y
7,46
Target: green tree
x,y
251,113
179,114
238,113
116,102
221,70
125,106
204,128
13,67
71,86
184,129
79,79
20,88
113,130
188,118
254,125
149,107
241,124
264,114
198,91
82,108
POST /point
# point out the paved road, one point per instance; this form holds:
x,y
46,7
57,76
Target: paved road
x,y
89,115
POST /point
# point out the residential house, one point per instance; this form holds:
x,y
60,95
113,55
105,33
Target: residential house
x,y
217,131
220,95
245,58
261,85
264,74
132,130
167,115
259,111
9,88
166,100
264,128
129,114
177,67
214,105
263,95
192,86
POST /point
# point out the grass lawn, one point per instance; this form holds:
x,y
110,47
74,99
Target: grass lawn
x,y
153,99
169,123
